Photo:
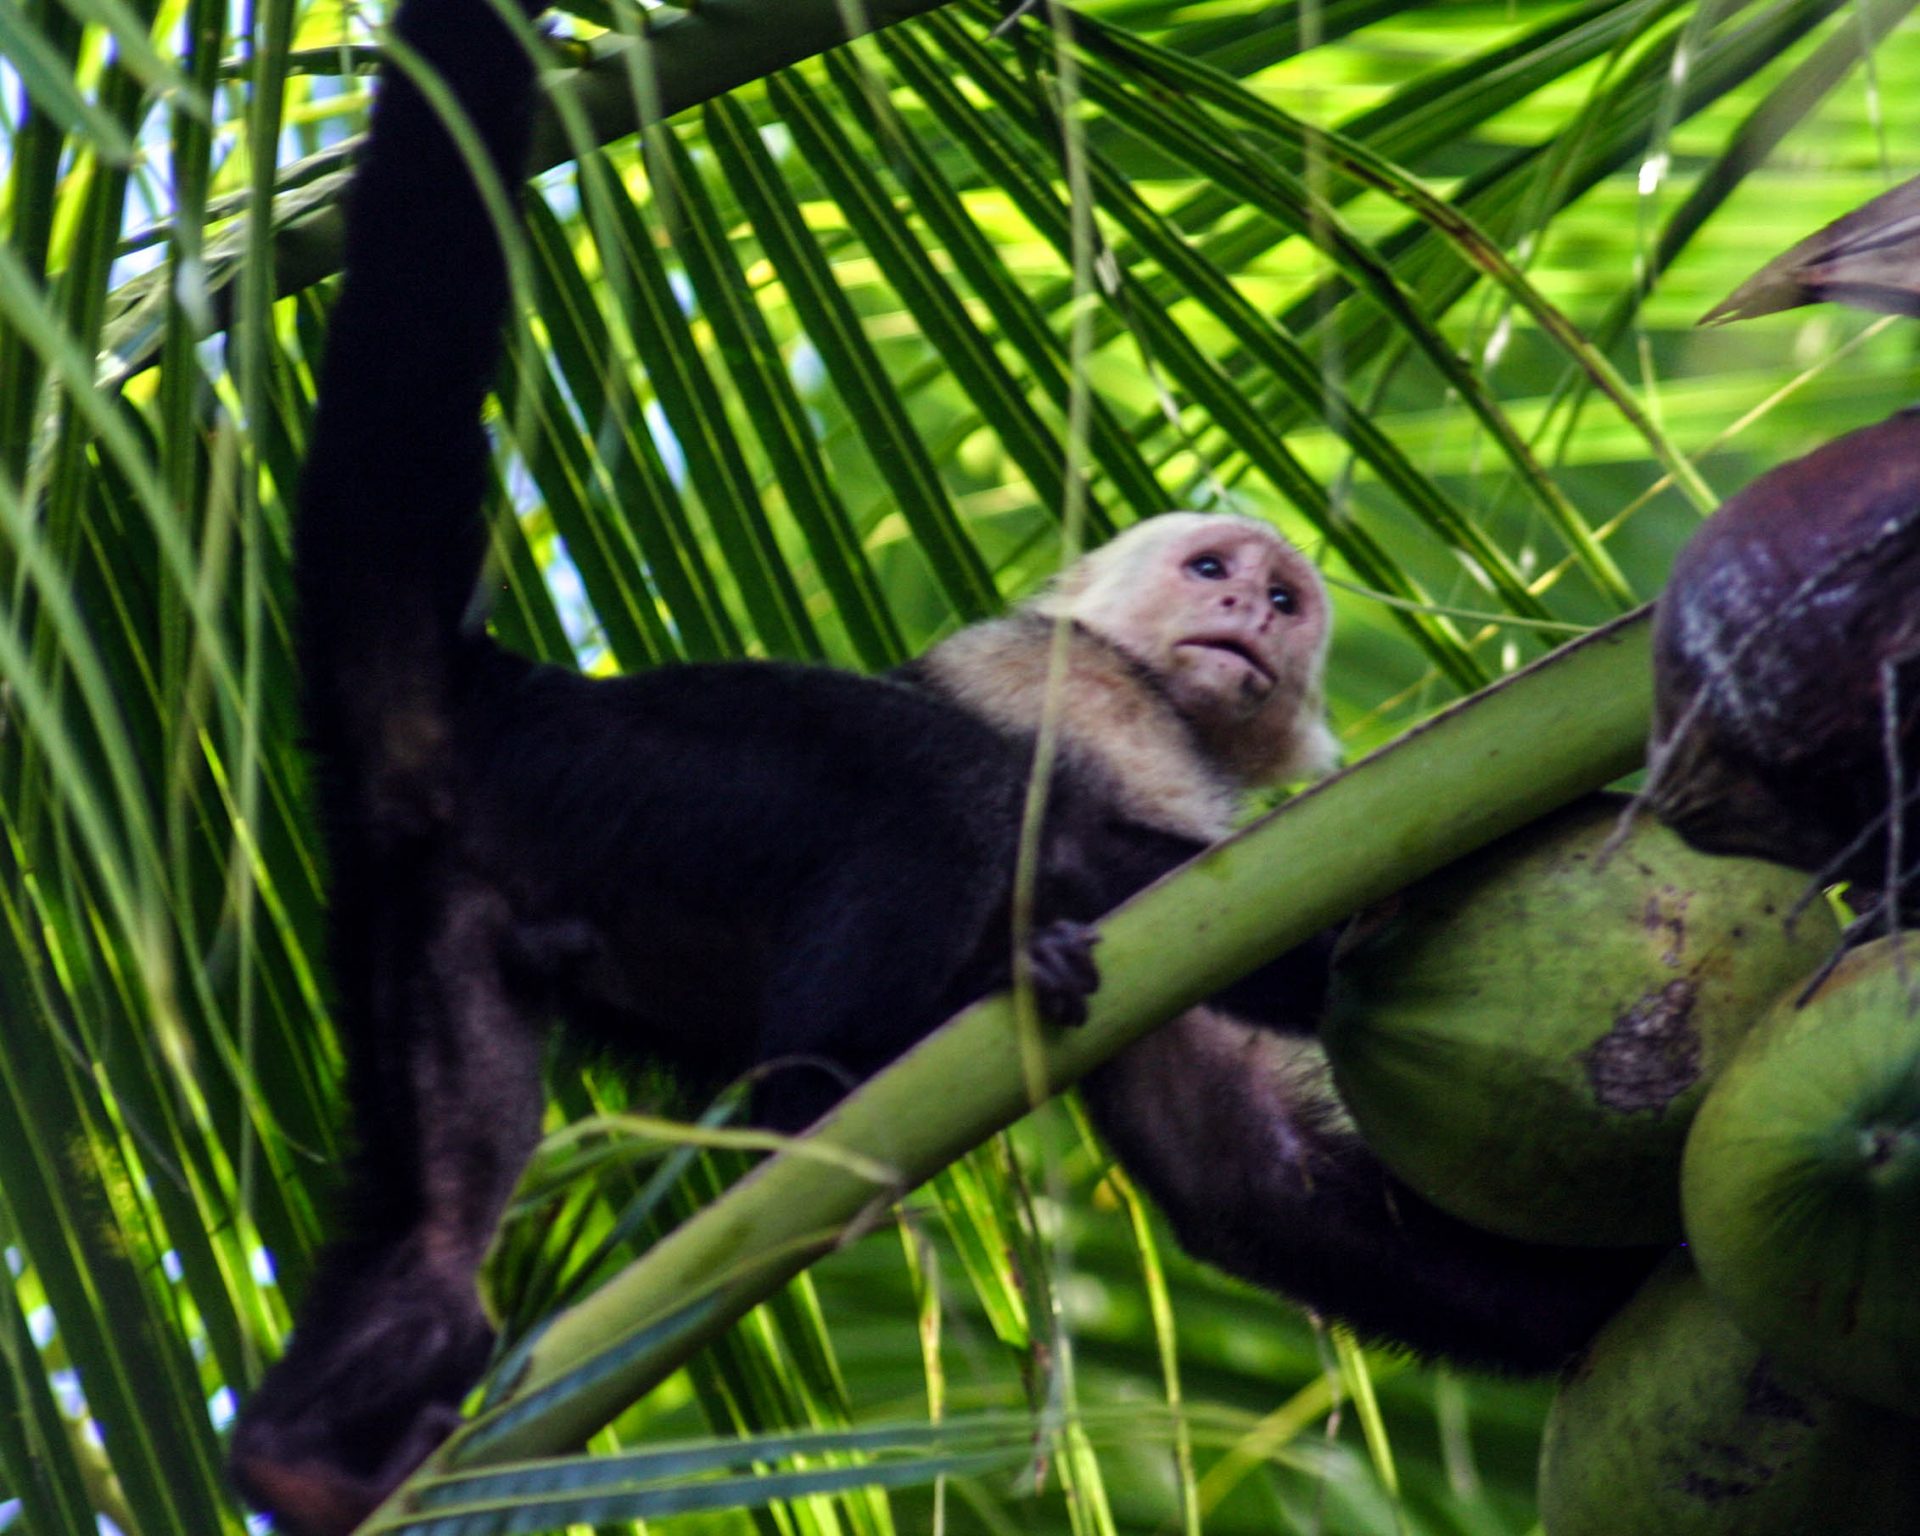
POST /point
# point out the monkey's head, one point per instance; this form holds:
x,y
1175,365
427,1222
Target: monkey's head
x,y
1232,620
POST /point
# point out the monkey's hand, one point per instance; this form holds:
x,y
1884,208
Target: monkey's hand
x,y
1060,956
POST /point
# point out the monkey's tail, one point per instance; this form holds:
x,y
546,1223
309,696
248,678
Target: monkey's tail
x,y
388,543
389,539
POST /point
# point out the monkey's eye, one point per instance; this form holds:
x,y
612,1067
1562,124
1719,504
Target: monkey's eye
x,y
1282,598
1211,567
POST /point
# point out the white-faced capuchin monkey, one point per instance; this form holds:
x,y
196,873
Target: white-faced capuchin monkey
x,y
724,867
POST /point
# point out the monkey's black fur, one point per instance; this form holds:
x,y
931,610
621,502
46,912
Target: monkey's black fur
x,y
713,866
1237,1136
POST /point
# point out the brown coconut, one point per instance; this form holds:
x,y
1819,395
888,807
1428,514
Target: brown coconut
x,y
1787,663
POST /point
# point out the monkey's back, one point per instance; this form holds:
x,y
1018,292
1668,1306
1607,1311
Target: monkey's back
x,y
739,836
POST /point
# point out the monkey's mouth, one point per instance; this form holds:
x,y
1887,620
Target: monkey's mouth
x,y
1236,649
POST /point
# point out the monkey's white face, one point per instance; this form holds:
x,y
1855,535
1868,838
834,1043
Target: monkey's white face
x,y
1233,620
1239,615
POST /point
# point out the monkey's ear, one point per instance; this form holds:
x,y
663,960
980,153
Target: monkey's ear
x,y
1062,596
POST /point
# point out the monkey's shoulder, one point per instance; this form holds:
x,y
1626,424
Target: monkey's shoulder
x,y
1116,725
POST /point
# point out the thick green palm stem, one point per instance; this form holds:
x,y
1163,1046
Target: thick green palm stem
x,y
1514,751
626,83
703,52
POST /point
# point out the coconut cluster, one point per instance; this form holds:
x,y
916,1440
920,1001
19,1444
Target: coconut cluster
x,y
1593,1033
1640,1023
1525,1036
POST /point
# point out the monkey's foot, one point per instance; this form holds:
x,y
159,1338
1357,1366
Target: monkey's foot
x,y
1064,973
310,1495
370,1385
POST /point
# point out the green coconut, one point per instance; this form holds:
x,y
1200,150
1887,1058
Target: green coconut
x,y
1802,1179
1525,1036
1677,1424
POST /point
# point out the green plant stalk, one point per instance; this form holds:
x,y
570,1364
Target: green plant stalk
x,y
1570,723
690,57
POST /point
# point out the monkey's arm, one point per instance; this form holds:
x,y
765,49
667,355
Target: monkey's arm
x,y
1236,1135
1286,994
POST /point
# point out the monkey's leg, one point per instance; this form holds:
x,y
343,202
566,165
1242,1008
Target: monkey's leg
x,y
1237,1135
447,1096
